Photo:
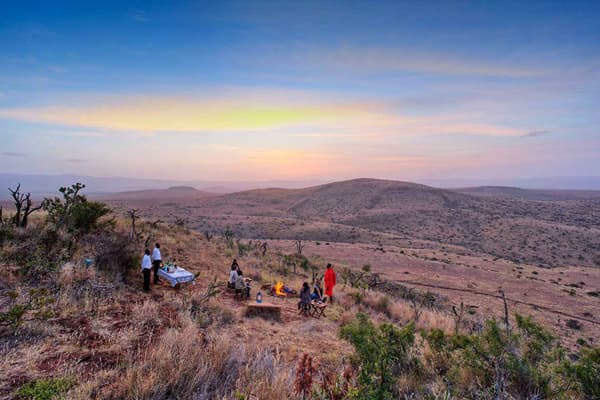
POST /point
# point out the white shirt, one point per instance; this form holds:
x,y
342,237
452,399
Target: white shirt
x,y
233,276
156,254
146,262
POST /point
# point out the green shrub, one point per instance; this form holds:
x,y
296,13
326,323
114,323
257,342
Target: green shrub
x,y
586,373
437,340
382,354
14,316
523,362
44,389
357,295
74,212
86,214
38,302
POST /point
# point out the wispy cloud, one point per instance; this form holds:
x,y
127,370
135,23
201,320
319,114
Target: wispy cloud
x,y
56,69
76,160
536,133
138,15
13,154
373,59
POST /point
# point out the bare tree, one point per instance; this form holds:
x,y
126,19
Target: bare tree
x,y
23,205
414,304
228,235
299,246
263,248
458,316
133,215
208,235
506,320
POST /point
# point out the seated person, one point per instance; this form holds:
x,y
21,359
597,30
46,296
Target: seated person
x,y
289,290
317,293
304,303
241,286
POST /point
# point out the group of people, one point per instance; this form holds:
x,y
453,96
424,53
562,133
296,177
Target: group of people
x,y
237,280
149,263
318,295
241,285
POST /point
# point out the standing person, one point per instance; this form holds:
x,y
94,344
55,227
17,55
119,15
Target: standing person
x,y
233,275
329,282
156,260
146,269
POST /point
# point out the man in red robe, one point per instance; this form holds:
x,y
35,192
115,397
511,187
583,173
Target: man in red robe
x,y
329,282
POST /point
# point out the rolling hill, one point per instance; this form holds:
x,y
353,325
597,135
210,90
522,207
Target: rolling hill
x,y
172,193
546,233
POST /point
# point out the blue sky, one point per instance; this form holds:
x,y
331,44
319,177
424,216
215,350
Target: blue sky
x,y
300,90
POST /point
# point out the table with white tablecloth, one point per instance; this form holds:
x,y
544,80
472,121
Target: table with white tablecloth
x,y
176,276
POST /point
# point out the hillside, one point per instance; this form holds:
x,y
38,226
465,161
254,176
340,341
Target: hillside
x,y
91,333
530,194
545,233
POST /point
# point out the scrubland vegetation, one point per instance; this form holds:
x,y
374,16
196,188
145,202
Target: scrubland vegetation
x,y
68,330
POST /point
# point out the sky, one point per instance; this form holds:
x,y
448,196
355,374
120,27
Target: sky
x,y
257,90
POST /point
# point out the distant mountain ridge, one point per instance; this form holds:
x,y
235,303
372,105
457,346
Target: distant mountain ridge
x,y
544,183
172,193
555,232
45,185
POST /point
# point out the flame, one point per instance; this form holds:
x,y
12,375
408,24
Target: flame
x,y
279,289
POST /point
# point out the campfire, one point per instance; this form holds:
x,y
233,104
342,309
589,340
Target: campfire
x,y
279,289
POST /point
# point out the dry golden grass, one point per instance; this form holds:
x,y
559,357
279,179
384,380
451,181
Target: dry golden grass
x,y
185,362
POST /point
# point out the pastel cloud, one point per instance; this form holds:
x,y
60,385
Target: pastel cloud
x,y
281,112
175,115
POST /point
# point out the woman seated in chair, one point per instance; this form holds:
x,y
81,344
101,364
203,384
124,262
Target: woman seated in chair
x,y
317,293
241,286
304,304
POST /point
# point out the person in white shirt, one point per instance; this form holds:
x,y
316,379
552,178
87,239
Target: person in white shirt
x,y
146,268
156,260
233,275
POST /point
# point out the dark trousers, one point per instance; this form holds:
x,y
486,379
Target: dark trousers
x,y
146,273
156,265
244,292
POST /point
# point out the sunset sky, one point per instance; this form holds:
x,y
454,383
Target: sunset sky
x,y
300,90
